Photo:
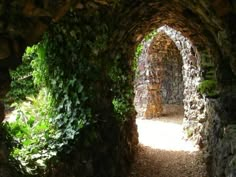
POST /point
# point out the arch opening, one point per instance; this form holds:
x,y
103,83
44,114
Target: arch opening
x,y
157,128
162,83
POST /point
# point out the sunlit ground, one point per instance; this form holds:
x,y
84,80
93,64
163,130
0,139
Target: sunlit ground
x,y
162,134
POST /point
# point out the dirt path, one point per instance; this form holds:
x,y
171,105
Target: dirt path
x,y
163,152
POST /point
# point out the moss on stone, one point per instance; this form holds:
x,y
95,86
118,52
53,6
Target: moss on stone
x,y
208,88
208,71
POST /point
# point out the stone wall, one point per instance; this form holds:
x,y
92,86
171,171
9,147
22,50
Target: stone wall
x,y
173,64
194,115
221,143
147,100
159,76
140,87
172,86
210,122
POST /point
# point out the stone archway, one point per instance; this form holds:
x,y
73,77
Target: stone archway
x,y
159,76
169,72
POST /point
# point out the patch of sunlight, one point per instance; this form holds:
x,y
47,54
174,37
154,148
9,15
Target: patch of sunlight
x,y
10,117
163,135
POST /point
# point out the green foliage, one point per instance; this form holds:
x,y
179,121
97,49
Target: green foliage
x,y
47,124
208,88
138,50
120,106
78,82
39,71
123,91
22,80
151,35
69,66
65,86
32,129
33,132
207,66
140,46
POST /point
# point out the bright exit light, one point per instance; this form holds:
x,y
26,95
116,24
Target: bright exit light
x,y
159,134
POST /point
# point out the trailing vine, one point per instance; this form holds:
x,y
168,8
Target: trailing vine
x,y
78,85
123,99
22,80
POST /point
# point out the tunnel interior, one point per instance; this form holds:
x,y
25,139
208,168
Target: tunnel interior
x,y
94,43
159,78
167,83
